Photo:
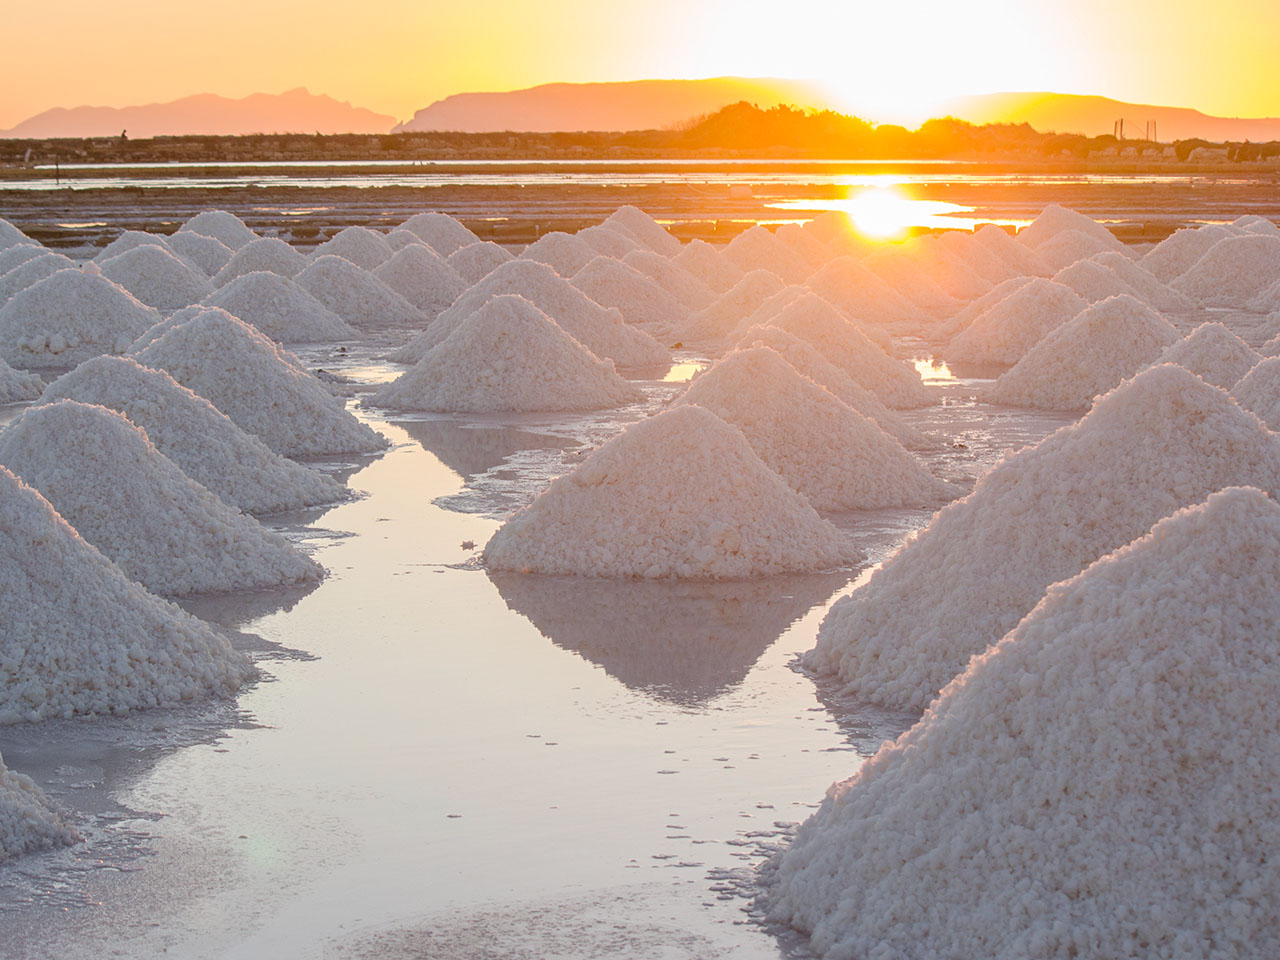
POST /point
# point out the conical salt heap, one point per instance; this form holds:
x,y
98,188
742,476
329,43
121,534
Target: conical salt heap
x,y
645,229
837,458
611,283
248,378
848,285
81,637
200,439
419,275
207,253
280,309
829,225
1085,357
131,240
18,254
11,235
1175,255
360,245
679,495
709,265
947,329
441,232
672,277
1268,301
809,248
608,241
17,386
950,272
1161,441
29,819
1055,220
157,278
69,317
1233,271
1259,391
1068,247
1008,330
265,255
758,249
508,356
564,253
32,271
357,296
727,316
979,257
785,297
1093,281
1099,784
1020,257
476,261
399,238
1213,353
905,276
222,226
1149,289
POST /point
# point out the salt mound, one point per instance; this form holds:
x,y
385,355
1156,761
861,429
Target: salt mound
x,y
157,277
1008,330
1259,391
476,261
29,820
562,252
946,329
20,253
836,457
1214,354
163,529
208,254
1163,440
440,232
1085,357
508,356
713,324
1100,783
200,439
423,278
357,296
248,378
611,283
600,330
222,226
644,228
31,272
810,249
966,248
1068,247
828,226
951,273
905,276
758,249
1093,281
1021,258
130,240
1055,221
851,287
671,277
266,255
765,313
709,265
179,317
360,245
681,494
69,317
608,241
81,638
280,308
16,386
1145,285
399,238
11,235
1268,301
1174,255
1233,271
1255,224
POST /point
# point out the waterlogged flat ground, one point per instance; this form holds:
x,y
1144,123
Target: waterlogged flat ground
x,y
440,763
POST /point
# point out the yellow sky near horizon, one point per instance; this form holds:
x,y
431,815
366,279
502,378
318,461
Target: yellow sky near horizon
x,y
889,62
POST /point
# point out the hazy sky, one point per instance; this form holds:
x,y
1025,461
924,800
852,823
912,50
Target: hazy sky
x,y
890,60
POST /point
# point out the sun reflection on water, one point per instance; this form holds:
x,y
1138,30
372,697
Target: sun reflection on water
x,y
933,370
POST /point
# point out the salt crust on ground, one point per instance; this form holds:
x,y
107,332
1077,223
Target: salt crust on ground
x,y
1213,353
266,255
157,277
11,235
905,276
222,226
281,309
709,265
357,296
163,529
1259,391
851,287
716,324
207,253
564,253
1175,254
31,272
1099,784
1020,257
81,637
672,277
610,242
645,229
69,317
29,819
1006,331
20,253
950,327
679,495
17,386
641,301
423,278
130,240
508,356
476,261
1070,246
1086,356
1094,281
758,249
1161,441
441,232
200,439
1232,272
839,459
1149,289
1056,220
360,245
259,387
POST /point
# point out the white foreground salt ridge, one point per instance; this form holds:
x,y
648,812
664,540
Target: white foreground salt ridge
x,y
680,495
950,327
357,296
641,301
29,819
32,271
1085,357
1233,271
222,226
1056,220
1024,260
208,447
1144,283
360,245
1213,353
1175,254
82,638
758,249
1093,281
1259,391
423,278
508,356
645,229
1161,441
709,265
11,235
265,255
1015,324
69,317
863,295
20,253
261,388
129,240
17,386
1100,783
163,529
441,232
672,277
279,308
564,253
904,275
207,253
476,261
716,324
839,459
610,242
1068,247
157,277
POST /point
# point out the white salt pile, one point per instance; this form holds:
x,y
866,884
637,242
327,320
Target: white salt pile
x,y
837,458
31,272
69,317
248,378
1069,246
357,296
1085,357
611,283
1163,440
1093,281
827,227
81,637
608,241
715,324
207,253
130,240
222,226
200,439
709,265
20,253
681,494
16,386
29,819
508,356
949,271
758,249
946,329
476,261
157,278
360,245
266,255
1055,220
979,257
902,274
671,277
280,308
1145,285
851,287
399,238
440,232
11,235
102,474
423,278
564,253
644,228
1268,301
765,313
809,248
1232,272
1174,255
1010,328
1253,223
1213,353
1100,784
179,317
1259,391
1024,260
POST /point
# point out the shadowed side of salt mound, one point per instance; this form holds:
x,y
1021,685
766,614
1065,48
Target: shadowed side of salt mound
x,y
709,265
29,819
80,637
419,275
641,301
157,277
645,229
441,232
852,288
279,308
674,641
199,438
1161,441
681,495
264,255
357,296
476,261
717,324
69,317
253,382
16,386
137,506
1085,357
222,226
1232,272
1012,326
1100,783
564,253
837,458
207,253
360,245
1214,354
1259,391
671,277
508,356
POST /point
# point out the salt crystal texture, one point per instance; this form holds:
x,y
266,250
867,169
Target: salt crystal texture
x,y
950,272
1100,783
360,245
1055,220
758,249
441,232
1268,301
906,277
357,296
813,251
207,253
399,238
1144,284
709,265
611,283
1008,330
1094,281
608,241
981,259
1213,353
946,329
11,235
679,495
729,314
281,309
673,278
1068,247
1259,391
476,261
645,229
20,253
222,226
31,272
423,278
16,386
1253,223
266,255
130,240
564,253
157,277
1233,271
848,285
29,819
1175,254
1020,257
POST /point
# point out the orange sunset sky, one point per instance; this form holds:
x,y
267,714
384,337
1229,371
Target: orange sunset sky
x,y
885,61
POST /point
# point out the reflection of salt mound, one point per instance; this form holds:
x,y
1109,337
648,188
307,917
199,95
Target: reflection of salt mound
x,y
758,249
130,240
1093,281
1049,804
69,317
837,458
732,310
709,265
946,329
683,643
1259,391
207,253
476,261
357,296
1021,258
419,275
157,278
861,294
508,355
608,241
1085,357
201,440
31,272
562,252
360,245
645,229
470,449
16,386
1213,353
1233,271
1161,441
222,226
1006,331
611,283
1054,221
267,255
280,308
29,820
906,277
1068,247
440,232
1174,255
681,494
1148,288
671,277
246,376
135,505
81,637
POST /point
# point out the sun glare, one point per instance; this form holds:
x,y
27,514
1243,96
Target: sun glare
x,y
881,212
